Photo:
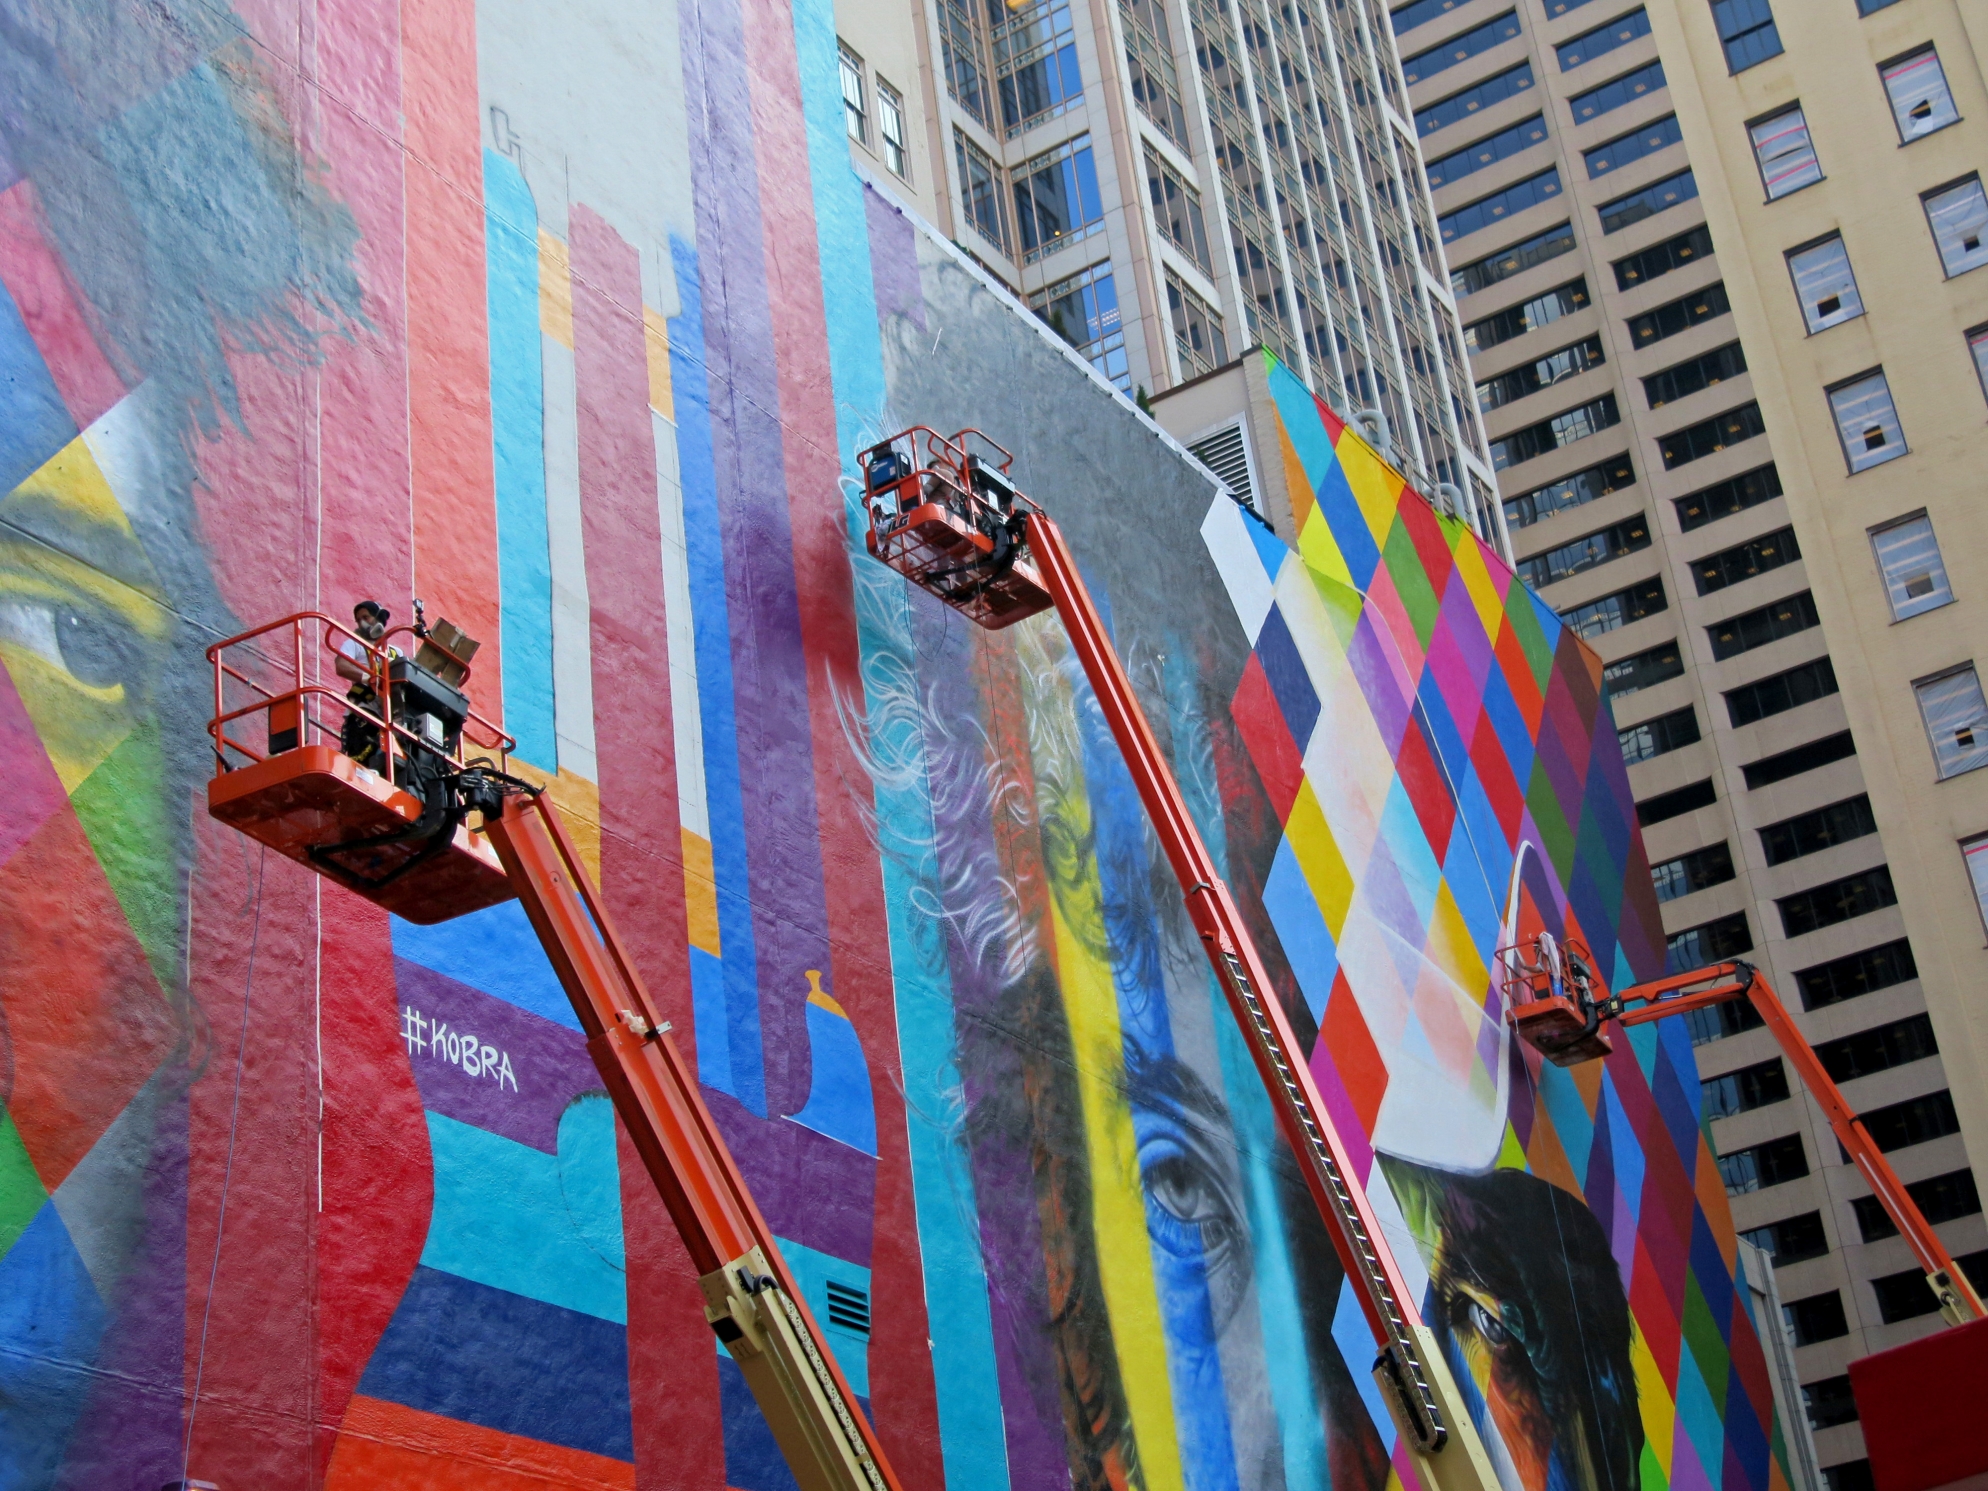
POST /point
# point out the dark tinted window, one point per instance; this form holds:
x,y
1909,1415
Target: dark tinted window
x,y
1858,973
1596,549
1617,92
1516,321
1624,212
1903,1296
1682,314
1746,31
1852,1475
1667,732
1791,1240
1602,40
1641,670
1802,684
1717,1021
1819,829
1694,375
1487,211
1779,767
1515,260
1542,372
1878,1049
1461,48
1447,111
1693,872
1763,624
1725,498
1914,1121
1714,942
1606,613
1623,149
1562,429
1660,259
1486,152
1577,490
1837,901
1420,12
1743,561
1747,1088
1940,1198
1710,436
1829,1403
1817,1318
1675,804
1764,1165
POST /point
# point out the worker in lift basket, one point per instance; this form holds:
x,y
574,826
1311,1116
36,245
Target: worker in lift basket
x,y
359,737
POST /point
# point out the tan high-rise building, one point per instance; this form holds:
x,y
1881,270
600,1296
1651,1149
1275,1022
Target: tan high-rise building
x,y
1654,497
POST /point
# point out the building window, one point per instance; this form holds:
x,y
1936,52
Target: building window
x,y
1420,13
1622,150
965,57
1956,719
1825,284
1714,942
1675,804
1710,436
1499,205
1551,434
1461,48
1940,1198
1915,577
1591,552
1683,379
1879,1049
1977,348
1724,499
1520,257
1149,64
1569,492
1617,92
1818,829
980,191
1829,1403
1035,63
1660,259
855,110
1784,152
1917,1120
1917,88
1777,694
1681,315
1197,330
1690,873
1057,200
1762,625
1083,310
1782,765
1959,218
1838,901
1603,39
1763,1165
1744,1090
1791,1240
1866,422
1744,561
1642,670
1974,854
1717,1021
1816,1318
1541,310
1177,209
1607,613
1521,137
1856,974
1542,372
1627,211
1746,31
1904,1296
890,129
1653,738
1854,1475
1459,106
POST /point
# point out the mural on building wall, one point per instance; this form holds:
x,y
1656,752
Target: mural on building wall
x,y
306,305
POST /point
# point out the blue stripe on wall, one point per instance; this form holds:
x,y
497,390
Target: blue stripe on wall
x,y
517,412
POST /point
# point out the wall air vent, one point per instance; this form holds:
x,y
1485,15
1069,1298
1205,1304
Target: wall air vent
x,y
1226,454
848,1307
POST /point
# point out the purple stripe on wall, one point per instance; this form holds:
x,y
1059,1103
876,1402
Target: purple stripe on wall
x,y
894,261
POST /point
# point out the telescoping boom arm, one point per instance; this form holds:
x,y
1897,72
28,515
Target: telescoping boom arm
x,y
944,515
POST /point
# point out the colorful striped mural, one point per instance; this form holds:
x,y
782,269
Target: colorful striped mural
x,y
570,323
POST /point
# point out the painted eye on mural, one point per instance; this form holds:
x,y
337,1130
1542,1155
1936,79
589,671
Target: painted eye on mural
x,y
91,648
1188,1208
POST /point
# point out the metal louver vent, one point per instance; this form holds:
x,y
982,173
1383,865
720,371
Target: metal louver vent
x,y
848,1307
1225,454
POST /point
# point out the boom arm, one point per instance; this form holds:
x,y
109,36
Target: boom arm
x,y
750,1297
1415,1381
1727,981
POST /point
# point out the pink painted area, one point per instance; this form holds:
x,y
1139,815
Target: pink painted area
x,y
53,310
33,789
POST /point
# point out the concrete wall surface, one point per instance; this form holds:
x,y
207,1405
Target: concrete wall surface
x,y
569,320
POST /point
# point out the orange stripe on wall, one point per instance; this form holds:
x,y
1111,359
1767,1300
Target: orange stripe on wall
x,y
448,334
395,1448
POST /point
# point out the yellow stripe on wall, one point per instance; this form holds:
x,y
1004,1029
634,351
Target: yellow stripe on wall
x,y
555,290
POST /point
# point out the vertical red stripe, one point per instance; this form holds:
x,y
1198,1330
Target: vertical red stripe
x,y
902,1393
679,1432
448,334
